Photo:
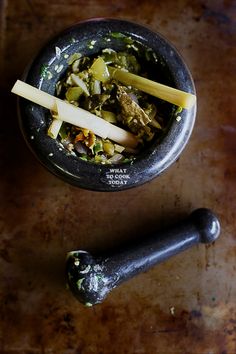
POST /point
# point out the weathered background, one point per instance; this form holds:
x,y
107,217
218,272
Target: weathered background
x,y
186,305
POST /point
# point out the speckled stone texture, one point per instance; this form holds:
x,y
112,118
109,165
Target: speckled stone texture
x,y
185,305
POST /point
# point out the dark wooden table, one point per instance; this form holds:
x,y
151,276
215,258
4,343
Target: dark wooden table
x,y
186,305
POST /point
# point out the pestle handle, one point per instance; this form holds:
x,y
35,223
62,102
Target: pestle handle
x,y
92,278
201,226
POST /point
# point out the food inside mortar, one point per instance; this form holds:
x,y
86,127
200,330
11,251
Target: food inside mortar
x,y
109,107
93,84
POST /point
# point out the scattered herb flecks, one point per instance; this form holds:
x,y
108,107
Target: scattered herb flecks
x,y
44,70
45,73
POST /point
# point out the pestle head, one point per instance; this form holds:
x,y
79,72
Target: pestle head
x,y
86,278
207,224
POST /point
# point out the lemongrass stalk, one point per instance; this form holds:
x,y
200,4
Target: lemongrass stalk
x,y
169,94
75,115
54,128
35,95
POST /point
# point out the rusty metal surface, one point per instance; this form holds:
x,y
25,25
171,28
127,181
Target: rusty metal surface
x,y
186,305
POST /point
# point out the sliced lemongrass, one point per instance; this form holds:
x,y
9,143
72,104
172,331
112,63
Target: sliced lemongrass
x,y
54,128
96,87
79,82
109,116
119,148
169,94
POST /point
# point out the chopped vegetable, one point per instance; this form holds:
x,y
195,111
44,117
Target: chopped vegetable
x,y
73,58
99,70
80,83
109,116
109,148
73,93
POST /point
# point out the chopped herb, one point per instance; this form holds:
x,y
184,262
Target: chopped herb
x,y
178,110
58,52
99,277
74,57
60,67
83,157
86,270
178,118
44,70
118,35
79,283
49,75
